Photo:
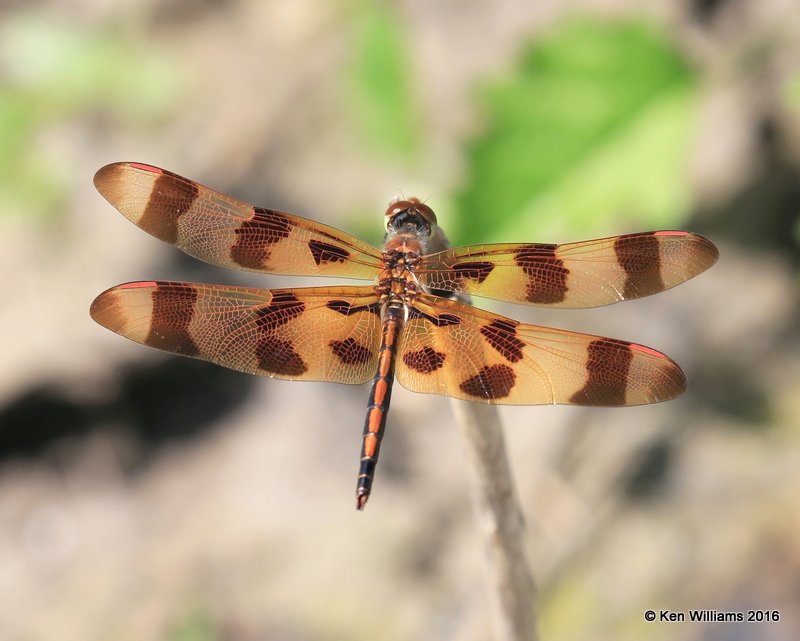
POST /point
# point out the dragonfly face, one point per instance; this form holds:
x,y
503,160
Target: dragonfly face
x,y
406,324
409,224
405,214
412,219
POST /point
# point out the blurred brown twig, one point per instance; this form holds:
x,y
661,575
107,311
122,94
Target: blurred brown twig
x,y
500,519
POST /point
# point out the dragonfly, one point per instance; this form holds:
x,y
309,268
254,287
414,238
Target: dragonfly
x,y
412,323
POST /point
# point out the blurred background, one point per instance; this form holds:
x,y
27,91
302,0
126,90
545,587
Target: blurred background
x,y
150,497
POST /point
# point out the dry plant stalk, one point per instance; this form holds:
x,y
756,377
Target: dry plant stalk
x,y
500,519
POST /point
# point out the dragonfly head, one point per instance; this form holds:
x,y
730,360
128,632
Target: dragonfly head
x,y
409,216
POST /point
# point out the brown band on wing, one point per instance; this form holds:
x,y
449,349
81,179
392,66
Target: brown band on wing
x,y
638,254
346,308
254,237
326,253
547,276
279,357
350,352
502,336
440,320
607,369
171,197
425,361
173,310
283,307
476,270
491,382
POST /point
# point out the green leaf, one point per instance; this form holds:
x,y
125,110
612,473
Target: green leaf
x,y
791,93
386,112
194,626
592,124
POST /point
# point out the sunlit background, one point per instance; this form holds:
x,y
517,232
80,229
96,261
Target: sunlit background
x,y
150,497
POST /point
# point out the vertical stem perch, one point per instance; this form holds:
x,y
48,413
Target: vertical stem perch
x,y
500,518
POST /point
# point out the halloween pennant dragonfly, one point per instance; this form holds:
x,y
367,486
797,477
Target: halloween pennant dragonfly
x,y
408,324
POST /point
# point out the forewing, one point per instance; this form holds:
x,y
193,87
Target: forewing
x,y
311,334
224,231
457,350
585,274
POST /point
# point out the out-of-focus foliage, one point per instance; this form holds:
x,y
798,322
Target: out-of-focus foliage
x,y
384,110
54,73
197,626
593,122
792,94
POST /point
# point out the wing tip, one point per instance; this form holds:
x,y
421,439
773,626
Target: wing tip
x,y
712,249
103,310
106,177
706,252
678,380
674,382
106,310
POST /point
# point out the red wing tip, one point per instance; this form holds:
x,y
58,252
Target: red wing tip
x,y
139,165
671,233
648,350
138,284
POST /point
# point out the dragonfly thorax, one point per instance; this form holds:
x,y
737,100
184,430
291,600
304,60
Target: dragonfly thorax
x,y
397,280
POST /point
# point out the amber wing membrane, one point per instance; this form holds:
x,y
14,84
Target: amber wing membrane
x,y
584,274
457,350
224,231
310,334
